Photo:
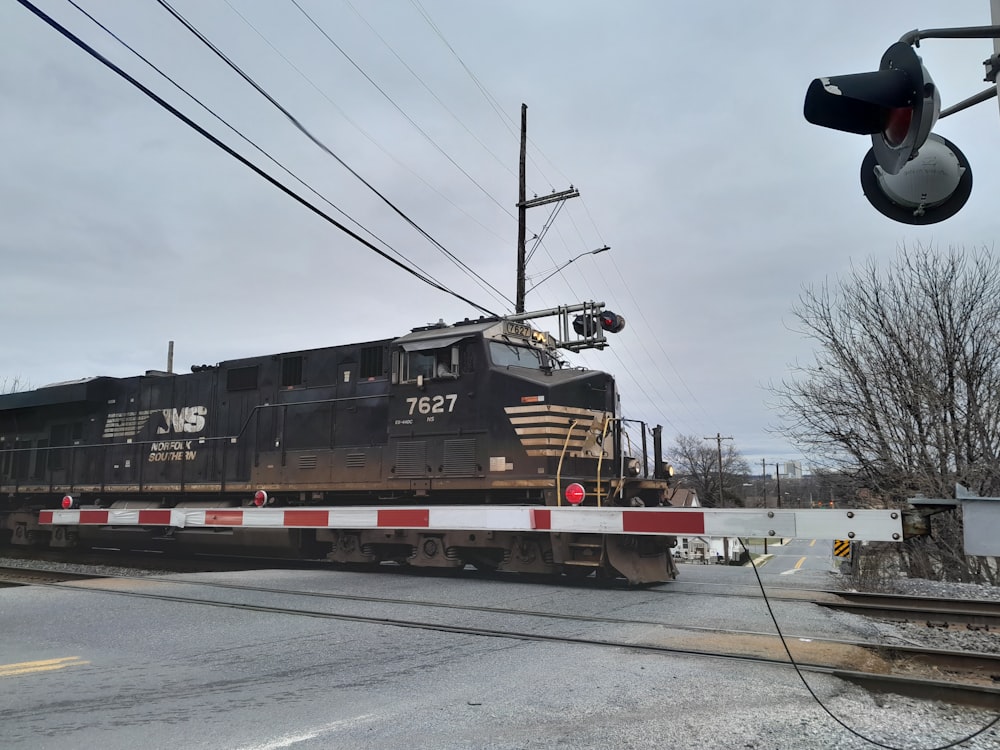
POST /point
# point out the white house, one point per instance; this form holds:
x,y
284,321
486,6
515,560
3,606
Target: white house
x,y
698,549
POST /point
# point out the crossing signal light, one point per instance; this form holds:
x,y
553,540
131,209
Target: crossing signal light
x,y
897,105
589,325
909,174
585,325
612,322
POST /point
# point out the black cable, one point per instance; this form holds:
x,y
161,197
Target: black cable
x,y
322,146
399,109
499,295
201,131
249,141
816,698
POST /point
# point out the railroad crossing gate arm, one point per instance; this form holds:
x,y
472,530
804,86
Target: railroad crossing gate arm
x,y
858,525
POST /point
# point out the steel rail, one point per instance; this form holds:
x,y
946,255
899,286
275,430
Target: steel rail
x,y
965,693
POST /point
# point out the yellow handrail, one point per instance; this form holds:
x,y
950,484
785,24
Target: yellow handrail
x,y
569,432
600,458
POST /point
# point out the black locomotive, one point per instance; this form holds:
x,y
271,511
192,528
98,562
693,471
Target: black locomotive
x,y
472,413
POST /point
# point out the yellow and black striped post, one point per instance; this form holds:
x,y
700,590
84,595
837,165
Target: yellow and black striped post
x,y
842,548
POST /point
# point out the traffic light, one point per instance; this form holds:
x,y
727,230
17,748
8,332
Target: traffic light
x,y
909,174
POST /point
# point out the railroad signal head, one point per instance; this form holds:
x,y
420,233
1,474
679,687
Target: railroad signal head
x,y
611,322
68,502
589,325
260,498
897,105
585,325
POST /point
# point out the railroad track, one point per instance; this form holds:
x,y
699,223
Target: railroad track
x,y
933,610
958,677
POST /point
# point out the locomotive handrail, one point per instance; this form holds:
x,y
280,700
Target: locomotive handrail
x,y
562,455
600,458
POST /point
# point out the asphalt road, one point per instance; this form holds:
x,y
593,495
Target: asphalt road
x,y
82,668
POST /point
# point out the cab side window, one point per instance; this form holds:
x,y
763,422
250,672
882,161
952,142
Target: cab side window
x,y
429,364
418,364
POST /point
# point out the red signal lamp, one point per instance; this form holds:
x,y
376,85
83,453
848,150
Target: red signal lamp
x,y
575,493
260,498
68,502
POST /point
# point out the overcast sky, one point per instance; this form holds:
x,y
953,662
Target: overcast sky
x,y
680,123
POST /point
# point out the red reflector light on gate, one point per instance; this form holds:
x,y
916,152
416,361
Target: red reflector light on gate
x,y
260,498
575,494
68,502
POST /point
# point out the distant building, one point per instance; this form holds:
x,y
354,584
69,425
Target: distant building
x,y
698,549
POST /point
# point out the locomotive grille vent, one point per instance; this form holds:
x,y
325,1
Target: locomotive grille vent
x,y
307,462
355,460
460,456
411,459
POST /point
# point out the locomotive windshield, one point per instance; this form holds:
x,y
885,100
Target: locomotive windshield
x,y
510,355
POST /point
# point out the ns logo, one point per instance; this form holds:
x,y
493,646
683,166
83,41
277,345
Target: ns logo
x,y
185,419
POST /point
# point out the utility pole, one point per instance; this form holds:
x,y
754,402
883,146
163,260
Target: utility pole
x,y
718,439
763,480
523,204
522,211
777,476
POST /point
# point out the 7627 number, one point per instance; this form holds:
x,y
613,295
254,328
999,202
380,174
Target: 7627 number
x,y
442,404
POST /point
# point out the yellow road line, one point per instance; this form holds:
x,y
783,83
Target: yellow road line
x,y
46,665
812,543
799,563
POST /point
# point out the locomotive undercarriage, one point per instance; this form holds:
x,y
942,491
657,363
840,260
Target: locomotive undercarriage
x,y
637,559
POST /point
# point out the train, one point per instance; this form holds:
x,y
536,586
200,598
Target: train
x,y
478,412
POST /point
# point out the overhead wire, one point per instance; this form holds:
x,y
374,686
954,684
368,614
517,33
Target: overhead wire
x,y
495,293
232,152
398,108
246,139
505,119
631,372
320,144
357,126
429,90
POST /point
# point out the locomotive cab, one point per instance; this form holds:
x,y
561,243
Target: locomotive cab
x,y
491,401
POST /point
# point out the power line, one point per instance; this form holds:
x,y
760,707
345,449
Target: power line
x,y
322,146
430,91
398,108
249,141
485,285
490,99
214,140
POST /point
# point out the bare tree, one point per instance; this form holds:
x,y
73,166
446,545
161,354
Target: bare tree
x,y
906,379
697,462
